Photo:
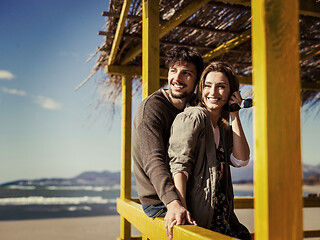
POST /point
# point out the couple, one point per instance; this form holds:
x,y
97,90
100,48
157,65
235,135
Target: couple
x,y
182,155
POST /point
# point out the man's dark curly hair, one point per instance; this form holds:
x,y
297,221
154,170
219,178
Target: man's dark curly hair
x,y
183,54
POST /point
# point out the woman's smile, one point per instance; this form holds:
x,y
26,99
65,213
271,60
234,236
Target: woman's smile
x,y
216,91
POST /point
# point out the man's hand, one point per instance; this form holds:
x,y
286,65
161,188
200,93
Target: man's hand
x,y
176,215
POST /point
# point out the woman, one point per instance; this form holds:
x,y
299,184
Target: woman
x,y
203,146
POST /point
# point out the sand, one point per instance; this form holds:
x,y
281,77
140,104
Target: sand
x,y
105,228
86,228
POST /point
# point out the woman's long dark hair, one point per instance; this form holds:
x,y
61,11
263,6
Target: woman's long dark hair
x,y
233,82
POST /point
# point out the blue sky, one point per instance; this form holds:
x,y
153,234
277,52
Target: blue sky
x,y
46,128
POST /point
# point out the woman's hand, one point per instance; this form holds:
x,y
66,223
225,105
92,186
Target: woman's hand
x,y
235,99
240,149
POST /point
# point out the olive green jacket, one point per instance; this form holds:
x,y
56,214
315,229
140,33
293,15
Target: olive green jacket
x,y
192,149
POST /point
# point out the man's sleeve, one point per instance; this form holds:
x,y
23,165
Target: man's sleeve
x,y
153,154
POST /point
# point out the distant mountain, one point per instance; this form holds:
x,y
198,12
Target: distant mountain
x,y
85,178
239,175
245,174
309,170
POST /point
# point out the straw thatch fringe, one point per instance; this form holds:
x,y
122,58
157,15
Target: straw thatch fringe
x,y
212,25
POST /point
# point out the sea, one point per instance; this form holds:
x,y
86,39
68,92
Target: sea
x,y
42,202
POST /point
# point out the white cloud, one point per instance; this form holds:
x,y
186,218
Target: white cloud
x,y
44,102
6,75
14,91
47,103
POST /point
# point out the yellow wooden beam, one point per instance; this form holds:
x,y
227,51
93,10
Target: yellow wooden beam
x,y
126,136
168,26
276,80
154,228
117,38
125,227
243,37
132,71
150,47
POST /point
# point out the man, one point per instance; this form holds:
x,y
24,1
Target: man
x,y
151,132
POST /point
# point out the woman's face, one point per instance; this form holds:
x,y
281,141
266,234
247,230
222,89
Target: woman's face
x,y
216,91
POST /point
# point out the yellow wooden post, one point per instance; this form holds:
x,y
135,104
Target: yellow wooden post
x,y
150,47
276,81
117,38
125,226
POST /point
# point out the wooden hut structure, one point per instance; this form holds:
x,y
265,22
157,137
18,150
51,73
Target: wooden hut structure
x,y
272,44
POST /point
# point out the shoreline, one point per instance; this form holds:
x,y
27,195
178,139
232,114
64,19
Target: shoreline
x,y
249,187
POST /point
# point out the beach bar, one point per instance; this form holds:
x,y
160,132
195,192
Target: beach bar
x,y
271,46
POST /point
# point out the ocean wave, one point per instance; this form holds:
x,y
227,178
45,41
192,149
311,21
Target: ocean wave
x,y
37,200
21,187
86,188
79,208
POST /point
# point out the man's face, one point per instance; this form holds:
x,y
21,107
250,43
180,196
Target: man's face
x,y
182,77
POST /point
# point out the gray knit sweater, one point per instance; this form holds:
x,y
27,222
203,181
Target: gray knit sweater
x,y
151,132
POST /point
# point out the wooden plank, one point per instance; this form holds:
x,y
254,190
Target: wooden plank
x,y
245,36
243,203
310,8
277,170
117,38
311,233
150,47
126,136
154,228
125,226
311,202
312,86
125,229
167,27
248,203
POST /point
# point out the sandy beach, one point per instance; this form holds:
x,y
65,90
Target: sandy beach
x,y
97,228
108,227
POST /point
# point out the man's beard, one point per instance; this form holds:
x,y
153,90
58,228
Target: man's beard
x,y
178,96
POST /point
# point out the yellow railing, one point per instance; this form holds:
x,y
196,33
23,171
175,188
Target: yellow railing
x,y
153,229
275,50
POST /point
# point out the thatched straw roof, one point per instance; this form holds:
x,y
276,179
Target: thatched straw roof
x,y
216,23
